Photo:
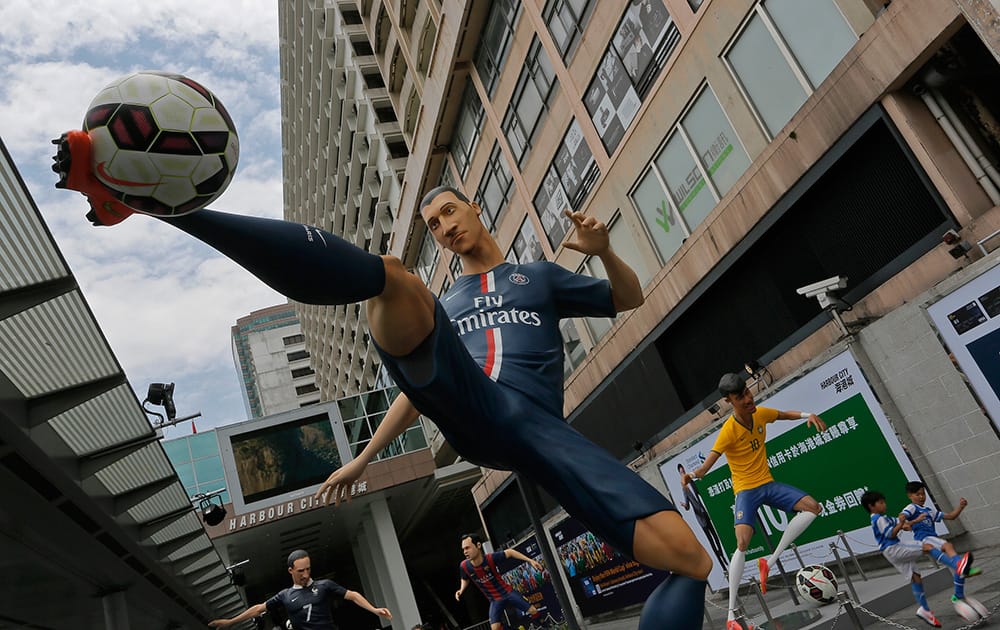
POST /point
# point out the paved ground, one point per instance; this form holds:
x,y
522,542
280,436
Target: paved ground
x,y
885,593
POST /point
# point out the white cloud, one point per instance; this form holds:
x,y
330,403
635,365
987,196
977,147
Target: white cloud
x,y
165,301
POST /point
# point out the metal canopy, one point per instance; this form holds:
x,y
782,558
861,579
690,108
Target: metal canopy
x,y
91,504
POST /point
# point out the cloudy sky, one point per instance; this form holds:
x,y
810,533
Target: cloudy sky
x,y
165,302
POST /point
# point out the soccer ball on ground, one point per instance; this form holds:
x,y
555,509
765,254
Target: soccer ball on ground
x,y
155,143
817,584
970,609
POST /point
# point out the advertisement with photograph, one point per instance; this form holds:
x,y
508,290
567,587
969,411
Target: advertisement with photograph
x,y
601,579
858,451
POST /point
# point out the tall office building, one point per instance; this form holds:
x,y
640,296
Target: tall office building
x,y
738,150
270,353
344,157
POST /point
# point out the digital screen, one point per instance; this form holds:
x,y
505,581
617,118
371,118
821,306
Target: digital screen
x,y
285,457
967,317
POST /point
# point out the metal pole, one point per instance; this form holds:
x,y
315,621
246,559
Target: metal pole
x,y
843,571
533,503
755,587
795,550
849,609
854,556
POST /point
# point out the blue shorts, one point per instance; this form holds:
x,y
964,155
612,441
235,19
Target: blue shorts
x,y
513,599
498,427
775,494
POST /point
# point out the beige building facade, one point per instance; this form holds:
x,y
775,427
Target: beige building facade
x,y
738,150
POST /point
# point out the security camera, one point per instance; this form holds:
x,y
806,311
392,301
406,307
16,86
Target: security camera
x,y
823,286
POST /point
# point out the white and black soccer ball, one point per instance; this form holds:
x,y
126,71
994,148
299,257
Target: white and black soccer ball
x,y
162,143
970,609
817,584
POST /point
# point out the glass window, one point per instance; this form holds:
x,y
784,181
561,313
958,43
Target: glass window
x,y
598,326
684,180
816,33
566,184
203,445
428,257
623,242
526,247
494,41
455,266
351,407
566,20
186,474
658,215
467,129
551,201
495,189
702,143
712,136
639,49
529,103
573,350
177,450
209,470
786,49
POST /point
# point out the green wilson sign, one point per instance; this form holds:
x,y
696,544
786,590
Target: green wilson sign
x,y
834,467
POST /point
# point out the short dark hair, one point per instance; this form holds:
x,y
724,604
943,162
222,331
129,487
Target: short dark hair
x,y
437,190
732,383
298,554
870,498
476,539
914,486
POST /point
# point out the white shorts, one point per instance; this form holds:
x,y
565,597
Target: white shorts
x,y
904,555
933,541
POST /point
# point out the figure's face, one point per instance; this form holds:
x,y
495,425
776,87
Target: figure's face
x,y
454,223
471,550
742,403
919,497
301,571
878,507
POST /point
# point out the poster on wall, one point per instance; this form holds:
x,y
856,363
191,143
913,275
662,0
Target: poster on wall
x,y
600,578
858,451
535,586
968,320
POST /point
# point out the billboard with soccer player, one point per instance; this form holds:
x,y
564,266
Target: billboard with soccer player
x,y
601,579
858,451
535,586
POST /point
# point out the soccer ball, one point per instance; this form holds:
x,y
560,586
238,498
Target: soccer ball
x,y
162,143
970,609
816,584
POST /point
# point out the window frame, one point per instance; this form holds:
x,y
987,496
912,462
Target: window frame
x,y
512,120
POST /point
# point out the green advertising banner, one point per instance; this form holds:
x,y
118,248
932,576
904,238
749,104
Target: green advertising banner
x,y
857,452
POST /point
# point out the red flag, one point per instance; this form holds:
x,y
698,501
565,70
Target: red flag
x,y
194,429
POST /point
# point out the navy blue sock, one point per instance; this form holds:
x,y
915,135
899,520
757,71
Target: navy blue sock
x,y
301,262
678,603
959,583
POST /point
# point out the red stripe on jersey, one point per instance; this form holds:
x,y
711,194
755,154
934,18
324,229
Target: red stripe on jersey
x,y
484,283
491,351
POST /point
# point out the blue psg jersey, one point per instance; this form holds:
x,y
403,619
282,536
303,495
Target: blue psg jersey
x,y
308,608
508,319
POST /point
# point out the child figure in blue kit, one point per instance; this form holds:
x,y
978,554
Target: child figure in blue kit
x,y
921,519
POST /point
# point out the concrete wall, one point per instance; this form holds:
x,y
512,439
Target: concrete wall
x,y
954,446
